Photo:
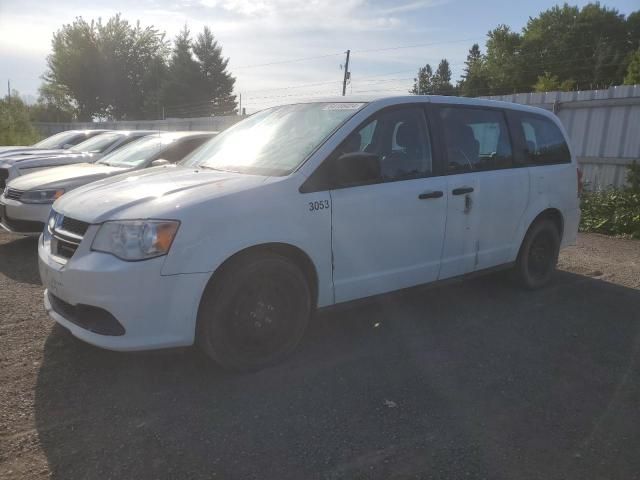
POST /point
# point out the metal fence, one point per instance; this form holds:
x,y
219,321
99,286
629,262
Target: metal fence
x,y
603,125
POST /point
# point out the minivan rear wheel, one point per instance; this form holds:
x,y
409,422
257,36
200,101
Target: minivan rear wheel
x,y
538,255
255,314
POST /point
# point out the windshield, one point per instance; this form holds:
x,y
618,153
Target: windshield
x,y
136,153
58,140
97,144
274,141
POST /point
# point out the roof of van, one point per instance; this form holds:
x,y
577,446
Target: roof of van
x,y
441,99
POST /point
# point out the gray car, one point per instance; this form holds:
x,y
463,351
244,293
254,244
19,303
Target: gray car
x,y
88,151
62,140
27,200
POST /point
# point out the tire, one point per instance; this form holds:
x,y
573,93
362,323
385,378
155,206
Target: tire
x,y
538,255
255,313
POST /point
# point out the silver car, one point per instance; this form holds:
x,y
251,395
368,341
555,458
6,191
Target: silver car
x,y
27,200
62,140
90,150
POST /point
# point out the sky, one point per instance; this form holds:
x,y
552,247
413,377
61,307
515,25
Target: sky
x,y
389,40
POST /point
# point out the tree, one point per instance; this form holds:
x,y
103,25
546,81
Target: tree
x,y
423,84
54,105
75,66
633,29
502,61
103,67
474,78
181,89
588,45
442,79
550,83
15,127
197,82
216,83
633,72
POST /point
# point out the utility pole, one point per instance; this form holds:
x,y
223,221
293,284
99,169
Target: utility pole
x,y
347,74
9,91
240,104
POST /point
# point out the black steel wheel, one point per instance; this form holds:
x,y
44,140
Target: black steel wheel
x,y
255,314
538,254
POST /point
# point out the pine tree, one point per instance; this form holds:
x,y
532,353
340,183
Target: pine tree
x,y
442,79
474,78
423,85
180,92
216,84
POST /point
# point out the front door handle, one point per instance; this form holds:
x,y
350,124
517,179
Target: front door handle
x,y
462,190
431,194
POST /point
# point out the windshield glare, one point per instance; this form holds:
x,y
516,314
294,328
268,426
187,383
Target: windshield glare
x,y
57,141
136,153
97,144
274,141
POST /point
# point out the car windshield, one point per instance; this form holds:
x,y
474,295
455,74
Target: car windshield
x,y
97,144
58,140
274,141
136,153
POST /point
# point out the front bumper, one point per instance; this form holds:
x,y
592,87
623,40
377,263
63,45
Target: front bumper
x,y
154,311
23,218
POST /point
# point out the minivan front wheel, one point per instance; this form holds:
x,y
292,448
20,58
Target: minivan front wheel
x,y
255,314
538,255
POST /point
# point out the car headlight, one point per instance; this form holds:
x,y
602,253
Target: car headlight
x,y
41,196
136,239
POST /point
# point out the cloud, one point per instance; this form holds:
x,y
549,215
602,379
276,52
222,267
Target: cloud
x,y
251,32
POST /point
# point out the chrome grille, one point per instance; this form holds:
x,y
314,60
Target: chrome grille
x,y
13,194
67,234
74,226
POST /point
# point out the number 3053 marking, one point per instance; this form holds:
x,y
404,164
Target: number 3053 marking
x,y
321,205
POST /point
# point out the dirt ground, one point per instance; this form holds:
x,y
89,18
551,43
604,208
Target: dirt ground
x,y
478,379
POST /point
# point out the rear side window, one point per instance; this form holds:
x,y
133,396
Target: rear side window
x,y
475,140
545,144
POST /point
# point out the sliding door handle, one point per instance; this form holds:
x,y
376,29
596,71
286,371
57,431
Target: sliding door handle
x,y
431,194
462,190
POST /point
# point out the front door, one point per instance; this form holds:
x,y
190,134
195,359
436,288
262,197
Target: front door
x,y
388,235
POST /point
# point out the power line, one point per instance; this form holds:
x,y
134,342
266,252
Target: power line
x,y
289,61
370,50
402,47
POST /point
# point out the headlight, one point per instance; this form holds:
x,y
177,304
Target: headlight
x,y
136,239
48,229
41,196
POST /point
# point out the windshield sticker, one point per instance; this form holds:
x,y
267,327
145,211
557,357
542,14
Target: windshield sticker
x,y
342,106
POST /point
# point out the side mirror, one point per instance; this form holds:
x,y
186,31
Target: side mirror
x,y
357,168
159,162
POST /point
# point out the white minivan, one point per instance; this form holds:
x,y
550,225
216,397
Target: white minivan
x,y
305,206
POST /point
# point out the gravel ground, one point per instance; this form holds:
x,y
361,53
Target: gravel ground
x,y
472,380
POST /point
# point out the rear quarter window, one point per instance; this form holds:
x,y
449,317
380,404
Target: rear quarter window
x,y
545,144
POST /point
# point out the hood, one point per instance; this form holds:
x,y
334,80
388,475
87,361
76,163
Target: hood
x,y
27,160
29,151
67,177
155,192
9,149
